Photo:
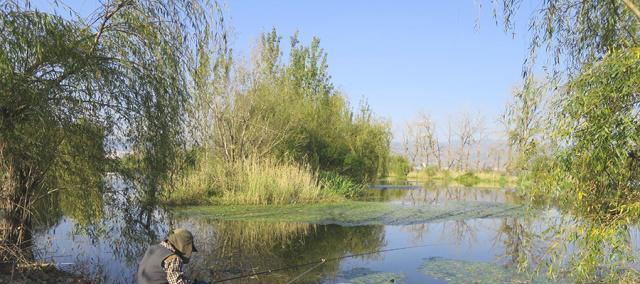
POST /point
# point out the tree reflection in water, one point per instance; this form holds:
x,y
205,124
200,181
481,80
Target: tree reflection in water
x,y
588,249
120,231
231,248
566,248
518,242
107,241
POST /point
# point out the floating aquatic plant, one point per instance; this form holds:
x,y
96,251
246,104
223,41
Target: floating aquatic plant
x,y
462,271
362,275
354,213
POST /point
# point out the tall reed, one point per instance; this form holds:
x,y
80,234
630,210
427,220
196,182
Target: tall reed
x,y
250,181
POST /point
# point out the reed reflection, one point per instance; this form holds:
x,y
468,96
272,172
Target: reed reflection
x,y
231,248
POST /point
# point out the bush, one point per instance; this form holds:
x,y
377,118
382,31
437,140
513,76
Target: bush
x,y
197,183
503,181
288,113
445,174
333,183
428,172
398,166
468,179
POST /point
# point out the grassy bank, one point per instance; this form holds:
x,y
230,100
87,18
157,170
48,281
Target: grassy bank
x,y
259,182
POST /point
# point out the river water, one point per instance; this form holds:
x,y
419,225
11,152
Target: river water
x,y
482,250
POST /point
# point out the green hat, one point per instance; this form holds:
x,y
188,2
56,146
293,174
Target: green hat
x,y
182,240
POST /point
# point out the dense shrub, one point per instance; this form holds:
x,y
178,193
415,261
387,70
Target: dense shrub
x,y
263,134
398,166
333,183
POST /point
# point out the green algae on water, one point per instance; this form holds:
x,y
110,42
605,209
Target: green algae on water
x,y
461,271
383,277
362,275
357,213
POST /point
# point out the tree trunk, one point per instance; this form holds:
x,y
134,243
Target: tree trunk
x,y
509,158
438,156
449,147
16,219
462,157
478,157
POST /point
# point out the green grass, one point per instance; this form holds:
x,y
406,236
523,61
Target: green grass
x,y
356,213
253,181
267,182
341,186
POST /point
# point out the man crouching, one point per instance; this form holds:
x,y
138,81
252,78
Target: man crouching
x,y
162,263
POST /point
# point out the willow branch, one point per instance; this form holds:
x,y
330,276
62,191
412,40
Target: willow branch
x,y
106,18
632,7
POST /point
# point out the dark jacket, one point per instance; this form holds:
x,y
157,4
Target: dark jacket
x,y
150,269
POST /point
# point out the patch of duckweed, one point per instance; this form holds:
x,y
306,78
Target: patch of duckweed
x,y
461,271
357,213
383,277
361,275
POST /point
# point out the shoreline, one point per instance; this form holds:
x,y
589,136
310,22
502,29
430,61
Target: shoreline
x,y
37,272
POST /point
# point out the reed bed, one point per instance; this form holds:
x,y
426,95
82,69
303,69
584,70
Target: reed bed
x,y
252,181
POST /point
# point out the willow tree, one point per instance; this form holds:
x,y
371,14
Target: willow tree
x,y
593,45
117,79
524,120
575,32
593,168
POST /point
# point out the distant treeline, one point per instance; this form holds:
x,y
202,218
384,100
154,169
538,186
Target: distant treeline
x,y
463,144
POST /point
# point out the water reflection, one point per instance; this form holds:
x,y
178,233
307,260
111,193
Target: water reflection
x,y
516,240
107,243
431,194
231,248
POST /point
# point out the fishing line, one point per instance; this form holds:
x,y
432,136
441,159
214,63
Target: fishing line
x,y
307,271
320,262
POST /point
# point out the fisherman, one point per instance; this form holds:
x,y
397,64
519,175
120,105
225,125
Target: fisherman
x,y
162,263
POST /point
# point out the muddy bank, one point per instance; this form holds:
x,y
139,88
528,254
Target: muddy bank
x,y
37,273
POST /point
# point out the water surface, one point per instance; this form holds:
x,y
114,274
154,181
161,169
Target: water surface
x,y
440,251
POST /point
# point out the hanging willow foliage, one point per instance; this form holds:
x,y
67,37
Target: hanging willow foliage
x,y
574,32
121,74
589,161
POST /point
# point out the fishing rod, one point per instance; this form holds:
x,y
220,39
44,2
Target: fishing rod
x,y
320,262
307,271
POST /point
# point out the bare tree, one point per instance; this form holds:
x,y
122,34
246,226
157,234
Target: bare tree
x,y
495,155
450,160
468,132
479,137
420,141
428,138
409,144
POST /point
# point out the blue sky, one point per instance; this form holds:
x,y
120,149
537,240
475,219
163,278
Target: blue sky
x,y
441,57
